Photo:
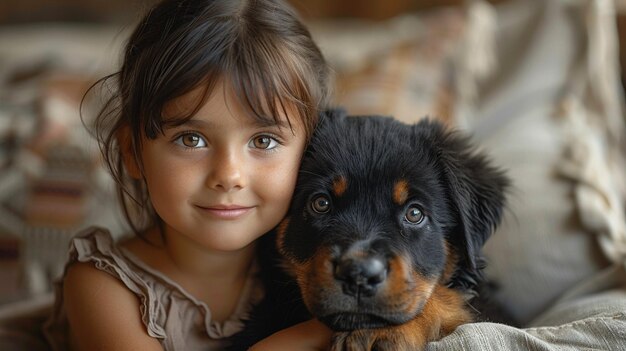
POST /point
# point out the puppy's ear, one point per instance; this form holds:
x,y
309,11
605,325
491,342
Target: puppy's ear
x,y
476,188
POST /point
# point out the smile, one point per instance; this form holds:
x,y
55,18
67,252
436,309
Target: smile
x,y
226,212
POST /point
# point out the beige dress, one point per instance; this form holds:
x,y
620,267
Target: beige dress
x,y
174,317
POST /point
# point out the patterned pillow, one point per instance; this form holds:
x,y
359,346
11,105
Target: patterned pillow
x,y
400,67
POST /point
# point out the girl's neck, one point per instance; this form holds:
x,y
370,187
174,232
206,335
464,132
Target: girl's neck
x,y
182,259
191,259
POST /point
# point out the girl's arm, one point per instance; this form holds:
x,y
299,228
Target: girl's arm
x,y
311,335
103,314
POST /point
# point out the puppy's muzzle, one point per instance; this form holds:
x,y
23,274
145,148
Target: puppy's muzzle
x,y
360,276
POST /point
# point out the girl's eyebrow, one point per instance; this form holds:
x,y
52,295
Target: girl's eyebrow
x,y
199,123
271,123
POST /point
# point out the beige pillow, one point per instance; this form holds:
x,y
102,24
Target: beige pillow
x,y
400,67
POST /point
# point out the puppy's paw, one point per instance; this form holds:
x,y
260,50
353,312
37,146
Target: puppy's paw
x,y
383,339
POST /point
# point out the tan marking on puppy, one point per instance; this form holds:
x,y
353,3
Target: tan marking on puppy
x,y
407,289
443,312
315,275
400,192
287,260
340,184
280,235
395,285
452,260
422,291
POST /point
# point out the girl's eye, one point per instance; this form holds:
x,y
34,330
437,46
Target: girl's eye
x,y
414,215
191,140
263,142
320,204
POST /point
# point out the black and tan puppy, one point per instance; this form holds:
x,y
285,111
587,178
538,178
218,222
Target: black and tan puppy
x,y
383,235
385,229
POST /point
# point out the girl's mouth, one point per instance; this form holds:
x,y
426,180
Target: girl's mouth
x,y
226,212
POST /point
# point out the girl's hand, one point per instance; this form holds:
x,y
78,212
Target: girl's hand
x,y
311,335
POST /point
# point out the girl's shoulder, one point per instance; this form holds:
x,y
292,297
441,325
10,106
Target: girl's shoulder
x,y
95,252
120,295
114,316
98,265
94,260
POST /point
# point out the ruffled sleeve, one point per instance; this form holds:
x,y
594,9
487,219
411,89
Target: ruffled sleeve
x,y
168,312
97,246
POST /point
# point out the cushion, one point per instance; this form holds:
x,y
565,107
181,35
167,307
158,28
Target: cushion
x,y
548,242
398,67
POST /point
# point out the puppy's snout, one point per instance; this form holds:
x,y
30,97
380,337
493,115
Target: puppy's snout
x,y
360,276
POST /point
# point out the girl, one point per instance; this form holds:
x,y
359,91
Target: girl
x,y
211,111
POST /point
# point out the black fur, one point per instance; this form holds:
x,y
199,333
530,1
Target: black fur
x,y
455,186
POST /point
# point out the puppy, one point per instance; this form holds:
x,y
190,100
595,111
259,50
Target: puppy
x,y
384,232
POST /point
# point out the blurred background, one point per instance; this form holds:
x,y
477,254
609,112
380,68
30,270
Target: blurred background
x,y
518,74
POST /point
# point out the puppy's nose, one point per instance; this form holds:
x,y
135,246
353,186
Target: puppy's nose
x,y
360,275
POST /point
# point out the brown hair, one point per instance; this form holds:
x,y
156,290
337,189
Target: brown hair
x,y
260,46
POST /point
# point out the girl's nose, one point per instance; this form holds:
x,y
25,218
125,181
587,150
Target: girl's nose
x,y
227,172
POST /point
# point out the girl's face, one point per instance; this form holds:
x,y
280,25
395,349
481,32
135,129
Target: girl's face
x,y
221,180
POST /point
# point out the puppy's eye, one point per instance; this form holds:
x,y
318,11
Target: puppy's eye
x,y
320,204
414,215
